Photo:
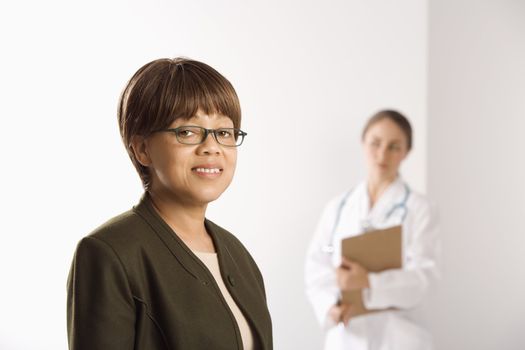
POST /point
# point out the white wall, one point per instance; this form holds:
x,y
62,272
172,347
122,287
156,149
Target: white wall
x,y
308,75
477,171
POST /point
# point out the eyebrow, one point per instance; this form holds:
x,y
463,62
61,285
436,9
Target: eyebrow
x,y
376,138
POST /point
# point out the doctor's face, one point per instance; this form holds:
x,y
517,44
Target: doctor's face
x,y
385,146
190,174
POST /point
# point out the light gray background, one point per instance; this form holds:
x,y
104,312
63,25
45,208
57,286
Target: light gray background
x,y
477,169
312,70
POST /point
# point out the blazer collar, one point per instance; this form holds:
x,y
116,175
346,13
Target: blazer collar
x,y
181,252
191,263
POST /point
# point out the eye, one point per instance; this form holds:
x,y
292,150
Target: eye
x,y
185,132
225,133
394,147
375,144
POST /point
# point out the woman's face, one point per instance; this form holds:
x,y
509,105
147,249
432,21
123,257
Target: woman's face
x,y
191,174
385,146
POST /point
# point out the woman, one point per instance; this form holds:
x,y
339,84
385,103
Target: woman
x,y
383,200
162,276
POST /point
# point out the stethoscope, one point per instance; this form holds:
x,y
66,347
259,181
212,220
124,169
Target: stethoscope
x,y
366,225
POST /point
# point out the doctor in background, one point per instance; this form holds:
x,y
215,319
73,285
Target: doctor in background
x,y
383,200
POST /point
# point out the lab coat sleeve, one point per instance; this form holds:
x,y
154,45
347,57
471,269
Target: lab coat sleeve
x,y
320,277
405,288
100,307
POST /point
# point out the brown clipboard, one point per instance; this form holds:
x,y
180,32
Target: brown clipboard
x,y
376,250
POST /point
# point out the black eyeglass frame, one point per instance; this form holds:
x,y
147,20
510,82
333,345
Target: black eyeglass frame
x,y
235,131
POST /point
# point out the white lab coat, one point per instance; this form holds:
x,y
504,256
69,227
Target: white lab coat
x,y
401,288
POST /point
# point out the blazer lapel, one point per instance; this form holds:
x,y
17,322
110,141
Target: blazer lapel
x,y
172,242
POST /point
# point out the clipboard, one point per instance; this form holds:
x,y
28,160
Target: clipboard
x,y
376,250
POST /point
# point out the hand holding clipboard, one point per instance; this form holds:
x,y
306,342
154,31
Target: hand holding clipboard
x,y
376,251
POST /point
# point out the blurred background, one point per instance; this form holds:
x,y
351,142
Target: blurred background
x,y
308,74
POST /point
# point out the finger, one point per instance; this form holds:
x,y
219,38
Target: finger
x,y
347,314
342,273
342,282
350,264
346,321
345,262
339,275
335,313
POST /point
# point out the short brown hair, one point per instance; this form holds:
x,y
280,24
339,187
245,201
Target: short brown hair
x,y
167,89
398,118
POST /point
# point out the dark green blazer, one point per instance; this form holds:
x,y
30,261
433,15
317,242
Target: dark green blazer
x,y
135,285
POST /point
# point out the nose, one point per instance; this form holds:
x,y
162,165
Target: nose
x,y
209,146
382,154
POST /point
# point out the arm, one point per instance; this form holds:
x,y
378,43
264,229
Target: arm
x,y
320,276
405,288
100,307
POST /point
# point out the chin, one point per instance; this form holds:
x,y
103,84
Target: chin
x,y
381,173
383,170
208,196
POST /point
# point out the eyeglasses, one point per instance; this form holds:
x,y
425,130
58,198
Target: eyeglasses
x,y
195,135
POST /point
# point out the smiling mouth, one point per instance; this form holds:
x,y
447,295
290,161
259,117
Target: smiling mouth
x,y
207,170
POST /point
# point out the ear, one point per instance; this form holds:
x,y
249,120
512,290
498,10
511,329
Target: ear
x,y
139,147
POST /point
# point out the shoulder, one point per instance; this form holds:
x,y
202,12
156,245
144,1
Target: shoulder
x,y
120,233
420,202
102,246
98,259
423,212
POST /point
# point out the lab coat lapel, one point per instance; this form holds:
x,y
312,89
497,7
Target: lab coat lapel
x,y
352,213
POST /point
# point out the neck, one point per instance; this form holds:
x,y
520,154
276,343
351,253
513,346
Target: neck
x,y
376,185
186,219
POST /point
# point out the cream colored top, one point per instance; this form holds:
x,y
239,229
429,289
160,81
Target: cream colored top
x,y
212,263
